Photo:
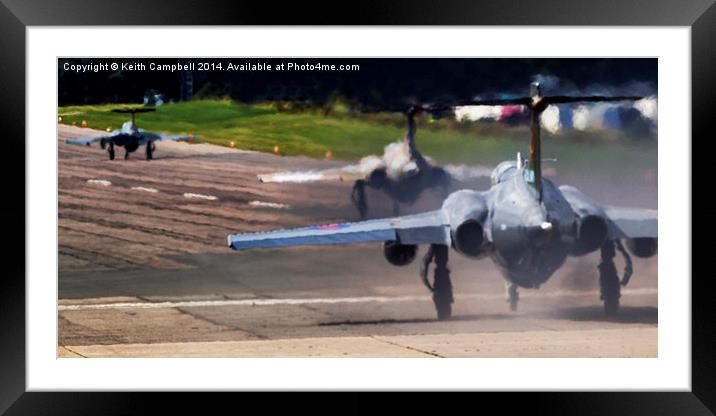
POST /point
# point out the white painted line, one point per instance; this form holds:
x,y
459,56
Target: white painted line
x,y
242,302
313,301
269,205
100,182
200,196
143,189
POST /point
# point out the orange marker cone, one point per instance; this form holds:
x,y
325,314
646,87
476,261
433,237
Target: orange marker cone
x,y
59,119
232,145
329,155
276,151
84,124
109,129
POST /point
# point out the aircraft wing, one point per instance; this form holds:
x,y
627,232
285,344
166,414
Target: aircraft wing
x,y
426,228
175,137
86,140
632,222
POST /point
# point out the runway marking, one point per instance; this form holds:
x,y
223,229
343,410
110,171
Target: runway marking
x,y
269,205
100,182
200,196
143,189
314,301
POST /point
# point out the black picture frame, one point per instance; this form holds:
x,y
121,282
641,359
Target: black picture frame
x,y
16,15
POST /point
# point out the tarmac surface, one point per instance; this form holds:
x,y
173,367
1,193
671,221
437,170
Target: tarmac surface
x,y
144,271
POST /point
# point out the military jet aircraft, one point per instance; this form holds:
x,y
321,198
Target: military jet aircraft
x,y
129,136
403,173
524,222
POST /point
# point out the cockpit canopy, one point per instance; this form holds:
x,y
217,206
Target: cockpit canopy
x,y
128,127
503,171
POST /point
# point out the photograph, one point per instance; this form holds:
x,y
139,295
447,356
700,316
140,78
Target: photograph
x,y
381,207
460,196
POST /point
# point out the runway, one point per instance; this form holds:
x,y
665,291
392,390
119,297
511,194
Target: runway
x,y
144,271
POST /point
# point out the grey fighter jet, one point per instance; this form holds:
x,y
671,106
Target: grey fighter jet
x,y
524,222
130,137
402,173
407,187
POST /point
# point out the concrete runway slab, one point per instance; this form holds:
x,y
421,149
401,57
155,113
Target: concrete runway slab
x,y
639,342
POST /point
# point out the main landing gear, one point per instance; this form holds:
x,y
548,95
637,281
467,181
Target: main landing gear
x,y
358,198
376,180
513,296
442,286
150,150
609,283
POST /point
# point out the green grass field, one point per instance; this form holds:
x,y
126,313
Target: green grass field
x,y
349,137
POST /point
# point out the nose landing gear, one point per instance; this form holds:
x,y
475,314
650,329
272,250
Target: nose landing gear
x,y
513,296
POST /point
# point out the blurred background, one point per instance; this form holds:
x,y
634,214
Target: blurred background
x,y
321,114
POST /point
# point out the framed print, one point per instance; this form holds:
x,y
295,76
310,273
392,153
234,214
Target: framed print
x,y
221,207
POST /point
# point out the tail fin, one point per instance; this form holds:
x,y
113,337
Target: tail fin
x,y
133,111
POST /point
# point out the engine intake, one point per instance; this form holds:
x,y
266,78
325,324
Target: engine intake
x,y
467,212
399,254
468,238
643,247
592,232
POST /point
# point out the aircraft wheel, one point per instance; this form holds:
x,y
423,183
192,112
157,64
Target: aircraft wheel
x,y
358,198
443,306
442,294
513,304
150,150
396,209
442,286
110,150
610,289
513,295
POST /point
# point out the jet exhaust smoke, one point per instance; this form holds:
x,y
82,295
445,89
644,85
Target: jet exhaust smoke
x,y
395,157
395,160
465,172
293,177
